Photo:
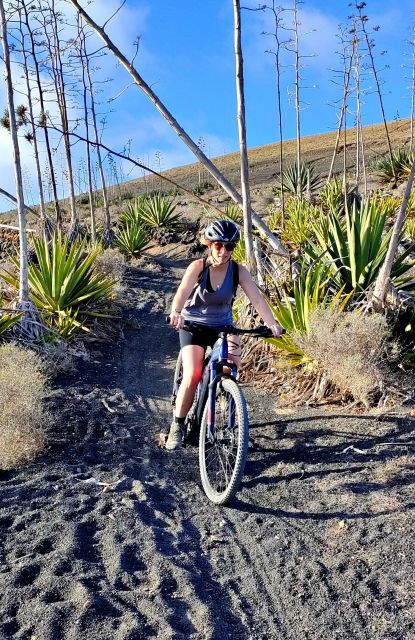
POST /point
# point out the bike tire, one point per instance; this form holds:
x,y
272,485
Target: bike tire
x,y
238,445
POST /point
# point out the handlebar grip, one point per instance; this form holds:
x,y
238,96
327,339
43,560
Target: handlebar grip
x,y
167,319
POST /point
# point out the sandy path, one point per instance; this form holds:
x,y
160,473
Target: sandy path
x,y
317,545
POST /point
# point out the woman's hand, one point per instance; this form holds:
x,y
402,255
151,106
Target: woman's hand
x,y
276,330
176,319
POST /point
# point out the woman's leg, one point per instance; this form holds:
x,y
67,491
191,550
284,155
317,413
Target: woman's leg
x,y
192,359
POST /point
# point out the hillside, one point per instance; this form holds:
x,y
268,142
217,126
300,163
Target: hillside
x,y
264,167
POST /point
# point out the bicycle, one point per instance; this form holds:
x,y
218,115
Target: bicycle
x,y
219,415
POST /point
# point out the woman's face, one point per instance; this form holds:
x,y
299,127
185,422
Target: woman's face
x,y
222,251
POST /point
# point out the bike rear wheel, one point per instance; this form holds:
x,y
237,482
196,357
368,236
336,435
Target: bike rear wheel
x,y
222,457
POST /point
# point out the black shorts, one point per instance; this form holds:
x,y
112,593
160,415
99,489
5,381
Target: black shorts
x,y
203,338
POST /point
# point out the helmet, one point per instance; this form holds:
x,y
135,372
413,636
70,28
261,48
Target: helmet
x,y
222,230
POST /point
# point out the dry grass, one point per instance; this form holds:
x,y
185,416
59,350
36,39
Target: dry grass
x,y
23,420
111,263
350,349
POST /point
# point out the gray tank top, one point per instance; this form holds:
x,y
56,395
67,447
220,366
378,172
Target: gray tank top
x,y
212,308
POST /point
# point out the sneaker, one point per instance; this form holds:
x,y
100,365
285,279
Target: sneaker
x,y
175,437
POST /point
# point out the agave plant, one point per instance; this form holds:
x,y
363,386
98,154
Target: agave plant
x,y
298,224
396,168
132,239
158,211
386,204
355,247
332,195
300,182
133,212
312,290
234,212
62,281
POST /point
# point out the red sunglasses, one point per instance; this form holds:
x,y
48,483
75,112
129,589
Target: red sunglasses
x,y
229,246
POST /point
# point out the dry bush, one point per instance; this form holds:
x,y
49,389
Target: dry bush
x,y
111,263
350,348
23,420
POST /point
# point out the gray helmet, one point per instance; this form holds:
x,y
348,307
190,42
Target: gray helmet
x,y
222,231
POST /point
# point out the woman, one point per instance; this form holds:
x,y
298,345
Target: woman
x,y
205,296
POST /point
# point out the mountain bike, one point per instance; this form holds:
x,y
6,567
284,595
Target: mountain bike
x,y
219,415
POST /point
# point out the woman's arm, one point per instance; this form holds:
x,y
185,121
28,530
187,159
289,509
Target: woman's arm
x,y
255,296
184,290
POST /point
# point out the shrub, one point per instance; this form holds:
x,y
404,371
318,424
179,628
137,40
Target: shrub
x,y
311,291
349,348
111,263
23,420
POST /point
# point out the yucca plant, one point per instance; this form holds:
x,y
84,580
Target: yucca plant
x,y
299,182
311,291
159,211
398,167
62,281
133,212
132,239
355,246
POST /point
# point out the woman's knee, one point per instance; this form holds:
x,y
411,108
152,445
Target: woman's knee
x,y
191,377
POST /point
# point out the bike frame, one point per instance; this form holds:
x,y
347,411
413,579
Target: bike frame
x,y
212,375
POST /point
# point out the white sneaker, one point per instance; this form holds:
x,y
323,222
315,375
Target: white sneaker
x,y
175,437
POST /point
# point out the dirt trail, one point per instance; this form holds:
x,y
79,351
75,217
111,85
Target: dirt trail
x,y
317,545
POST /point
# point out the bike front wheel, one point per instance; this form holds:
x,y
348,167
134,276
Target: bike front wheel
x,y
223,453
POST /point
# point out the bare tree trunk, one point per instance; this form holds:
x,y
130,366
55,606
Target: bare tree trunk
x,y
213,170
297,98
83,57
358,115
346,81
383,280
32,122
59,80
279,44
108,233
23,276
58,213
369,43
10,197
246,197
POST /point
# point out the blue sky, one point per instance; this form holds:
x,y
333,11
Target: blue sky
x,y
186,55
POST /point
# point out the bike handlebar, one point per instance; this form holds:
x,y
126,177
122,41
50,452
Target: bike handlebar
x,y
260,332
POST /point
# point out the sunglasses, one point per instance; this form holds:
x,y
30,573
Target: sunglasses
x,y
229,246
